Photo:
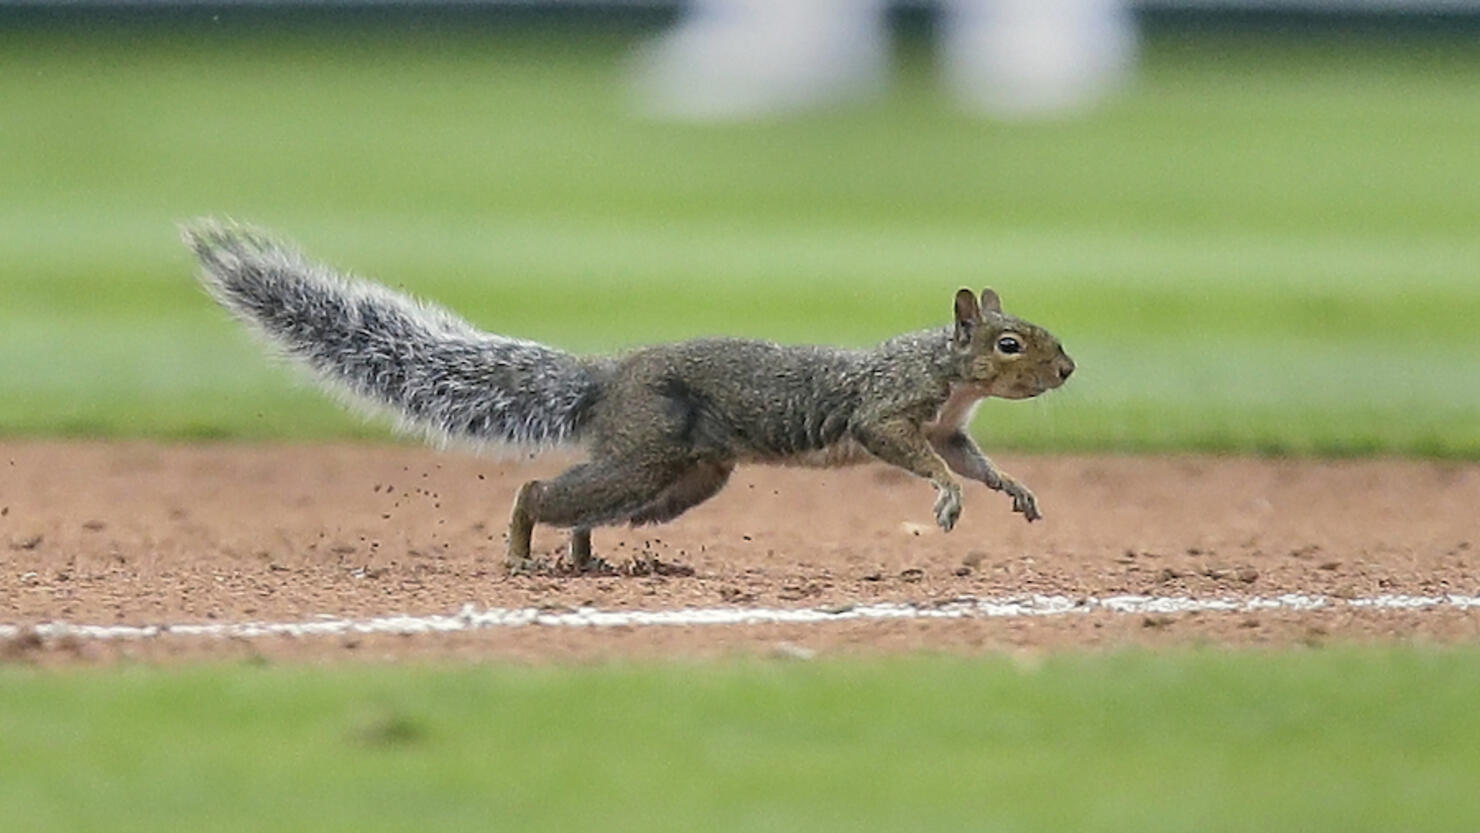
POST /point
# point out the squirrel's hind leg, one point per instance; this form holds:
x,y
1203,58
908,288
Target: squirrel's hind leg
x,y
584,496
580,550
521,529
696,485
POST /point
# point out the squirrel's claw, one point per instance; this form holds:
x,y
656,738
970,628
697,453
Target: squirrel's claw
x,y
1023,501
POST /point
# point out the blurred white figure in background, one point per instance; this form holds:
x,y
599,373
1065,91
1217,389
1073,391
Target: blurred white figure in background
x,y
739,59
1035,58
1010,59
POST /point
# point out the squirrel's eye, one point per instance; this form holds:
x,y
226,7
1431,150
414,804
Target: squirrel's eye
x,y
1009,345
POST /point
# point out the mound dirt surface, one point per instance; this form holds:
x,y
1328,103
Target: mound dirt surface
x,y
146,534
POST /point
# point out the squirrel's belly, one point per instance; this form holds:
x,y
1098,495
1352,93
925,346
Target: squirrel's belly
x,y
845,452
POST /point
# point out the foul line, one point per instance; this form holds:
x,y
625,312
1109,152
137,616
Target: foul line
x,y
472,618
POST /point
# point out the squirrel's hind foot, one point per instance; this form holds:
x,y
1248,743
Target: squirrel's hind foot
x,y
527,566
533,566
592,566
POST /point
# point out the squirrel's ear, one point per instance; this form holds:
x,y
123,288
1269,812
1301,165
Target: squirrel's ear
x,y
968,315
991,301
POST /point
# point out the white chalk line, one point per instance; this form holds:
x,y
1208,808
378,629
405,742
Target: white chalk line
x,y
473,618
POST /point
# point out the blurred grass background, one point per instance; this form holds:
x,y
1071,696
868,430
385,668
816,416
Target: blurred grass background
x,y
1340,740
1271,243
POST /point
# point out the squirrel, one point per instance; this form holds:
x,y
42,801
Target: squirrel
x,y
663,425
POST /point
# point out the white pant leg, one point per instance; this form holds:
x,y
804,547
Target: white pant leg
x,y
738,59
1035,58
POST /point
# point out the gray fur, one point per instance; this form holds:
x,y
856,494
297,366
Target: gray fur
x,y
436,372
664,425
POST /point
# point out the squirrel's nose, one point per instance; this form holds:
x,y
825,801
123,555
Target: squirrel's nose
x,y
1066,368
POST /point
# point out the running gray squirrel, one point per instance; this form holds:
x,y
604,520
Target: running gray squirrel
x,y
663,425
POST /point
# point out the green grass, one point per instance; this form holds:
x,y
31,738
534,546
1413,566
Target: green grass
x,y
1268,245
1326,740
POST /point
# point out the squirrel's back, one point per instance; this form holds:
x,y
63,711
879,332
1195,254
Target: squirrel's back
x,y
743,399
433,370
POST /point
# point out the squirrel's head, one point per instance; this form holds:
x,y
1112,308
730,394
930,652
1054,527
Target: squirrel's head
x,y
1005,356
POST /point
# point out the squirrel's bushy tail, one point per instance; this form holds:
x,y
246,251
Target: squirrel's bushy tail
x,y
433,370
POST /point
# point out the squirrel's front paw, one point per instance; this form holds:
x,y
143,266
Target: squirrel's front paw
x,y
1023,499
948,506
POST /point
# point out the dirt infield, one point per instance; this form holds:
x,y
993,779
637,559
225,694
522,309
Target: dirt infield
x,y
150,534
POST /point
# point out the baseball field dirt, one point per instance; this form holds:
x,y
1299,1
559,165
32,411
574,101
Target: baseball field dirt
x,y
140,534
